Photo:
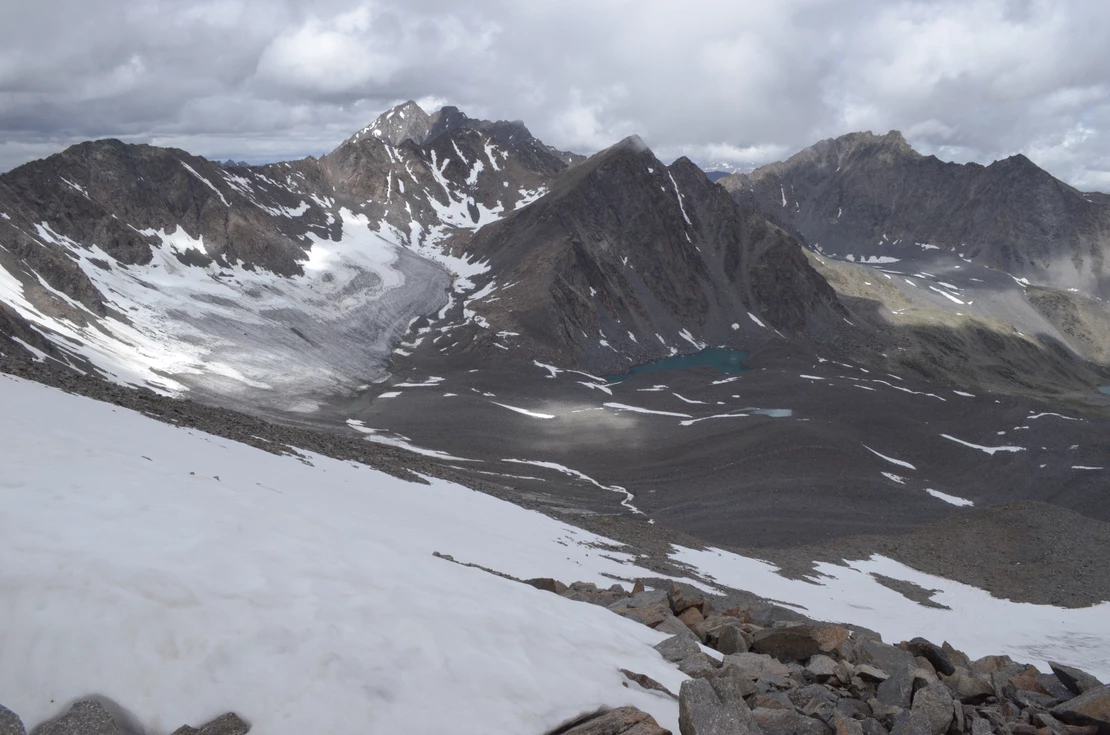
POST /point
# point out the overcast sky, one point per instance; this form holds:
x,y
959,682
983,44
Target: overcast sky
x,y
733,80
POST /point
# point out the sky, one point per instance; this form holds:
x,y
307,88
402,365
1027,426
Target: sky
x,y
732,81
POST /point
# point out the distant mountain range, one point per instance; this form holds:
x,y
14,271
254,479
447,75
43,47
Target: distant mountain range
x,y
283,283
872,195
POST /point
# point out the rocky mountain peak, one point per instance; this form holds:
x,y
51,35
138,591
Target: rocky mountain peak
x,y
406,121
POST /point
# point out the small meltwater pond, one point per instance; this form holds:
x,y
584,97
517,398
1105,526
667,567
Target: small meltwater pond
x,y
1104,389
721,359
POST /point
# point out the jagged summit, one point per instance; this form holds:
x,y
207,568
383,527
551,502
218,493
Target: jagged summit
x,y
406,121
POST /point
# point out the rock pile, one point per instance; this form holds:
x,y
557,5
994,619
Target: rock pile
x,y
796,677
92,717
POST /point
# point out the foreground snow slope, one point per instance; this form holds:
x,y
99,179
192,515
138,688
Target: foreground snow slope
x,y
185,575
304,597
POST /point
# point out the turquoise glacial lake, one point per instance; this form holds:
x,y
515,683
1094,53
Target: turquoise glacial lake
x,y
721,359
1104,389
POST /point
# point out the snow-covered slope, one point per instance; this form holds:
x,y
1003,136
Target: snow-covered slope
x,y
184,575
269,286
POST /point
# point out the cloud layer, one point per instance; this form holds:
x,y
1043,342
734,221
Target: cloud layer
x,y
740,82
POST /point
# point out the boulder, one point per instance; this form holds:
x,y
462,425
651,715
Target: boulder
x,y
934,704
1077,681
228,724
932,653
867,672
804,696
731,638
674,626
753,666
10,724
677,647
798,642
1055,687
843,725
967,687
897,691
885,657
647,682
871,726
821,667
87,717
1092,707
987,665
956,656
691,617
788,722
620,721
640,599
777,700
649,615
854,708
547,584
713,707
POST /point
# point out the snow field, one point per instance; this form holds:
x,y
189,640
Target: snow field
x,y
304,597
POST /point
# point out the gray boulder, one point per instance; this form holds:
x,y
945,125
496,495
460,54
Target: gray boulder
x,y
886,657
788,722
1092,707
1076,680
967,687
641,599
228,724
731,638
897,691
798,642
932,653
821,667
674,626
713,707
934,704
677,647
87,717
620,721
10,724
753,666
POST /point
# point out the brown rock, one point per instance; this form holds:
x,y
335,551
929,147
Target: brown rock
x,y
797,643
691,616
620,721
647,682
650,615
1092,707
637,588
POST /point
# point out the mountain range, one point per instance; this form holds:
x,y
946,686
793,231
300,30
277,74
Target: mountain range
x,y
862,382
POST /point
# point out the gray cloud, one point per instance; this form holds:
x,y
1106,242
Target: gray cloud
x,y
741,82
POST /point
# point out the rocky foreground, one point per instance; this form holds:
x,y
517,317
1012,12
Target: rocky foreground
x,y
764,670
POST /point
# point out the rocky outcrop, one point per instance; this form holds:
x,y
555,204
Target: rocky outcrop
x,y
93,717
620,721
820,679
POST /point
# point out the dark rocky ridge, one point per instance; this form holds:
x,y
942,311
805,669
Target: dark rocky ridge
x,y
629,252
868,195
